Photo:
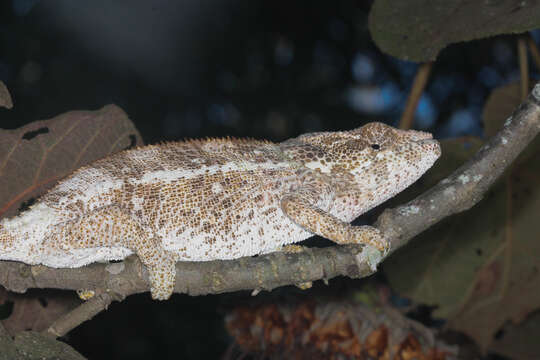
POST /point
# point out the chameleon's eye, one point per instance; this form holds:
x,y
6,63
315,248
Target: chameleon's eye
x,y
375,146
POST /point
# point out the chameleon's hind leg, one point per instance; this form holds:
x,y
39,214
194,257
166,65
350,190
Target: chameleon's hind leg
x,y
111,226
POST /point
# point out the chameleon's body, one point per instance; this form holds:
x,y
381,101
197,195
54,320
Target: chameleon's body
x,y
217,199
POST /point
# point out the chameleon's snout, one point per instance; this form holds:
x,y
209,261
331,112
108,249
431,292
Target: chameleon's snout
x,y
431,146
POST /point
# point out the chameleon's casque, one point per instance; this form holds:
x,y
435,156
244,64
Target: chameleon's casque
x,y
212,199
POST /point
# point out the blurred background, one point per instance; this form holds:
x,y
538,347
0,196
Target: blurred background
x,y
198,68
269,69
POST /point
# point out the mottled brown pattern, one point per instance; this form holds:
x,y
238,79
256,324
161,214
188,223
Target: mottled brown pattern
x,y
219,199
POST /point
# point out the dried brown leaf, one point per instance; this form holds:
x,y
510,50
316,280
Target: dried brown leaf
x,y
34,157
36,310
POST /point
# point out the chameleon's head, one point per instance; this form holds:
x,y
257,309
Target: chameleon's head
x,y
379,157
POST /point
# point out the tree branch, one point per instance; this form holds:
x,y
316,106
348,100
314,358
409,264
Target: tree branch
x,y
458,192
466,186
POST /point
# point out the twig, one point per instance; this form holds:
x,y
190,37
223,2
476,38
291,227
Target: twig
x,y
535,53
458,192
523,67
419,83
80,314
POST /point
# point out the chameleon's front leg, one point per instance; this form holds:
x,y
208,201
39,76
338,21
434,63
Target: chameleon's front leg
x,y
301,209
111,226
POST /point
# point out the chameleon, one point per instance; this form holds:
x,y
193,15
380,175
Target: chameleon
x,y
218,198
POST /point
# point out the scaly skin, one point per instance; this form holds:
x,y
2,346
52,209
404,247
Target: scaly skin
x,y
213,199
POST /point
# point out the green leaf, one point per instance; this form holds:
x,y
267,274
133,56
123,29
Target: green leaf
x,y
520,341
417,30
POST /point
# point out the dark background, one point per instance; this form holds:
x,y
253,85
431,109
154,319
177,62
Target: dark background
x,y
197,68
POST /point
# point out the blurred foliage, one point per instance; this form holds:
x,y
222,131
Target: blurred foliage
x,y
332,327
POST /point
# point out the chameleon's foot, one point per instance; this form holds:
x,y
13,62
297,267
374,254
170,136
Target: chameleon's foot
x,y
369,235
162,278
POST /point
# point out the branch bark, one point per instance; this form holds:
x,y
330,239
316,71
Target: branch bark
x,y
458,192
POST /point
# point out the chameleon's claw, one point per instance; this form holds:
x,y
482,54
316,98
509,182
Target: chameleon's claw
x,y
381,243
371,236
378,249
